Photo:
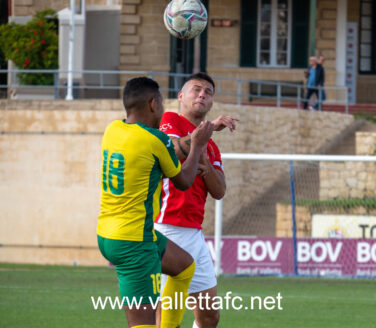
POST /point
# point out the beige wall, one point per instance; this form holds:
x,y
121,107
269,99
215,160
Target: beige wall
x,y
351,179
50,182
224,43
326,31
145,42
50,189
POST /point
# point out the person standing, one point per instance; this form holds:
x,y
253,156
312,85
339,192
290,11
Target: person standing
x,y
182,213
311,81
135,157
320,81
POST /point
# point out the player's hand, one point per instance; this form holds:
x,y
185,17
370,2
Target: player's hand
x,y
202,134
202,169
224,121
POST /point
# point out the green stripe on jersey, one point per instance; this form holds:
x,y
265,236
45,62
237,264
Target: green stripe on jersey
x,y
154,180
165,140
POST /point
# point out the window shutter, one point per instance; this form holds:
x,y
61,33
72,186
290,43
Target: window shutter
x,y
248,37
300,33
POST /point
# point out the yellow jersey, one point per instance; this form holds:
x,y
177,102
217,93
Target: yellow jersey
x,y
135,157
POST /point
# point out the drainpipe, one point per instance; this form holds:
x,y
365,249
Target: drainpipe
x,y
312,27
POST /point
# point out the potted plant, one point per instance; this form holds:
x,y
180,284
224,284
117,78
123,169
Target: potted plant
x,y
32,46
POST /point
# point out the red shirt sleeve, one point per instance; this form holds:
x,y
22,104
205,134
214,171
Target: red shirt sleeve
x,y
215,155
170,125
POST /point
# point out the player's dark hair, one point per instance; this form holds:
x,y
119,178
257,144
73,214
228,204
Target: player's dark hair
x,y
201,76
138,91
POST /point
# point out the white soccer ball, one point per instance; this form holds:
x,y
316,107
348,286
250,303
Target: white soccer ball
x,y
185,19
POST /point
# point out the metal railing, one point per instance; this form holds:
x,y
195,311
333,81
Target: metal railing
x,y
240,90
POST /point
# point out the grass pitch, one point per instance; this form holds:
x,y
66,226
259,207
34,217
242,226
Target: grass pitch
x,y
60,296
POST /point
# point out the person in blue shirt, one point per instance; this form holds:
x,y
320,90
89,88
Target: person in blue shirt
x,y
320,79
311,82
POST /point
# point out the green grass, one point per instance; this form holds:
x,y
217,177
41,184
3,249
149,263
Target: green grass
x,y
59,296
366,116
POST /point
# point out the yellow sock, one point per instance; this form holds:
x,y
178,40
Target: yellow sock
x,y
176,287
145,326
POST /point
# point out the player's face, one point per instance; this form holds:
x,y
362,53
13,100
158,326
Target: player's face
x,y
197,97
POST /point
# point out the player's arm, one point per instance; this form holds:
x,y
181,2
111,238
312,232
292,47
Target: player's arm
x,y
183,145
214,178
199,138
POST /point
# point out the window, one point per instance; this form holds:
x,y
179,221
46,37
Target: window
x,y
367,35
274,33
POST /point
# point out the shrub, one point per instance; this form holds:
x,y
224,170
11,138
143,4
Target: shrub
x,y
32,46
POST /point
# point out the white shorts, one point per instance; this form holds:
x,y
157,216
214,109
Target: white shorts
x,y
192,241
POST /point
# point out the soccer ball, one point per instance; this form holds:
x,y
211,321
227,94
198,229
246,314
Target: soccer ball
x,y
185,19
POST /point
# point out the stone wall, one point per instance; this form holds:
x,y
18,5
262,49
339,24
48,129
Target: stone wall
x,y
365,143
224,43
338,180
326,32
266,130
351,179
50,169
145,42
284,221
304,218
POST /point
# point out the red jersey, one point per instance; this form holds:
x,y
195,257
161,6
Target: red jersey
x,y
185,208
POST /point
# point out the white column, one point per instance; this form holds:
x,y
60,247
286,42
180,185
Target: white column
x,y
69,95
341,42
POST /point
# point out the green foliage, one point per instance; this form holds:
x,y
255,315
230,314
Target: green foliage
x,y
32,46
366,116
345,204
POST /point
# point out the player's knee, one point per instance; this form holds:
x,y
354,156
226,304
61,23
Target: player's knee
x,y
186,273
209,320
214,318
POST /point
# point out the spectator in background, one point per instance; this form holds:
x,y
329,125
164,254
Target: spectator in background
x,y
320,80
311,81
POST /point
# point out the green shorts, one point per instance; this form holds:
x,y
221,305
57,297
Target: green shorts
x,y
138,267
161,243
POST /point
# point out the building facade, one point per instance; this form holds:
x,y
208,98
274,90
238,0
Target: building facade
x,y
252,39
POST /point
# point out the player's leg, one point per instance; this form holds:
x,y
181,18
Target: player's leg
x,y
180,267
205,316
144,317
204,279
204,286
138,268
